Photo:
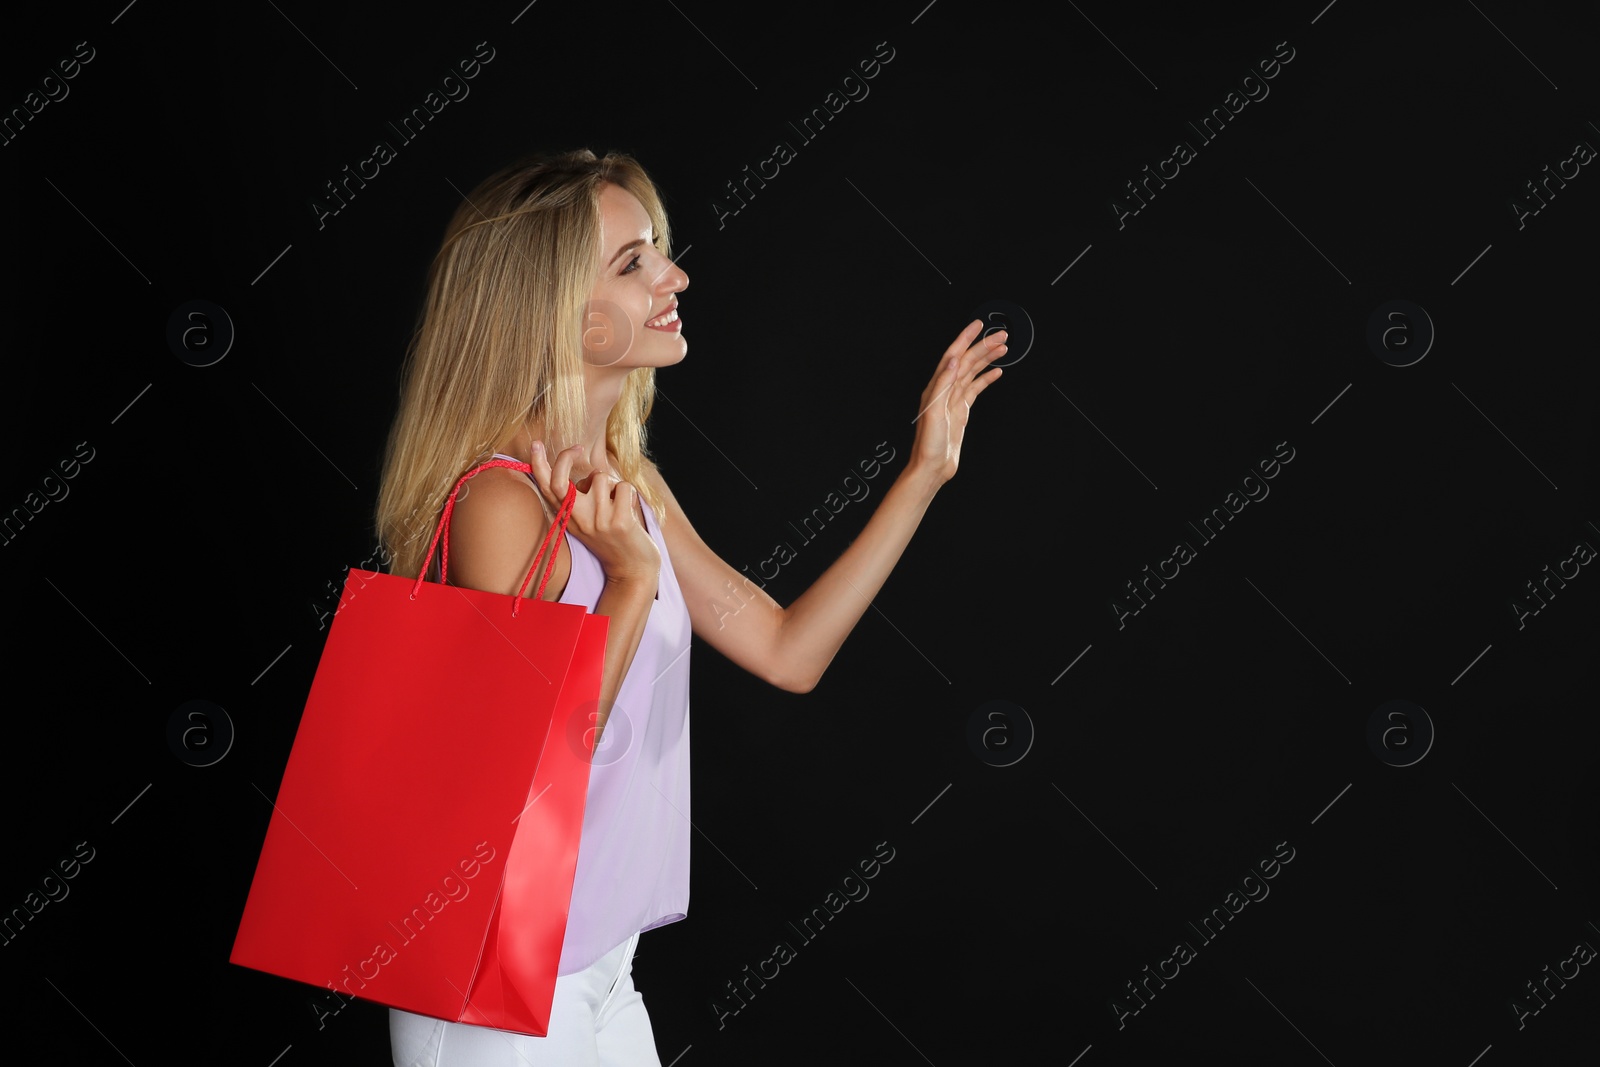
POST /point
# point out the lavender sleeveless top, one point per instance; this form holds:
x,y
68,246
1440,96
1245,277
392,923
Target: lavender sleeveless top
x,y
633,856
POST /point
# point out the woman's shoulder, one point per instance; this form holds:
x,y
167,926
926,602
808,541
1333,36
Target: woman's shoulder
x,y
498,524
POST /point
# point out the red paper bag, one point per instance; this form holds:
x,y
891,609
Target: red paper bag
x,y
422,845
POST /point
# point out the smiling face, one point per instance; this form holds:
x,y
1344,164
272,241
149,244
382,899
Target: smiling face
x,y
632,320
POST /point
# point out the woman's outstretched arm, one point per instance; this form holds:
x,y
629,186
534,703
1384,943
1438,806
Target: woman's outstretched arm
x,y
791,647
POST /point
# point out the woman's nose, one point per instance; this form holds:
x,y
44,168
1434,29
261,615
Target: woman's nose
x,y
673,279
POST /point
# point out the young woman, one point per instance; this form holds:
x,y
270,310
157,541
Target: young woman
x,y
549,307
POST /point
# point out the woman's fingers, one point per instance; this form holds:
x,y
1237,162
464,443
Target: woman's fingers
x,y
987,347
561,471
541,468
607,500
601,486
551,478
968,346
614,502
963,339
983,352
963,359
983,382
997,347
555,477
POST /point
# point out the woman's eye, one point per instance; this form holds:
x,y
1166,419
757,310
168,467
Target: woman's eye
x,y
633,265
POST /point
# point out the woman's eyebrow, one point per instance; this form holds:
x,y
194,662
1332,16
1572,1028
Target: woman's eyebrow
x,y
631,244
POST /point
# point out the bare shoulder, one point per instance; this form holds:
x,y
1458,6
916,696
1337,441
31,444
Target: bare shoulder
x,y
498,524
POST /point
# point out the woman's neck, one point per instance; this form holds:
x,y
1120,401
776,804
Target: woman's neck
x,y
602,388
594,456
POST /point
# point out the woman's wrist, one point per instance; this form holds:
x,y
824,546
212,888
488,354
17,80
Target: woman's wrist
x,y
641,585
922,480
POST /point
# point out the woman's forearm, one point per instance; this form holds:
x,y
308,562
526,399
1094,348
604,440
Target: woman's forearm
x,y
627,605
816,625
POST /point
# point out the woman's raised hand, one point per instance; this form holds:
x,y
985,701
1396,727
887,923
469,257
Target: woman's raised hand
x,y
605,517
947,401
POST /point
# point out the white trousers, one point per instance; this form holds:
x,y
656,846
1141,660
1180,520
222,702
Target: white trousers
x,y
597,1019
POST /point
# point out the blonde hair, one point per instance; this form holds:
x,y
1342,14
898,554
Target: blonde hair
x,y
499,340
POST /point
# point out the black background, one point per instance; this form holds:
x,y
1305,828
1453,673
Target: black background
x,y
189,559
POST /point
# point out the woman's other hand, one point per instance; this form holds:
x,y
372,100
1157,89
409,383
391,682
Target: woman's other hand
x,y
605,517
947,401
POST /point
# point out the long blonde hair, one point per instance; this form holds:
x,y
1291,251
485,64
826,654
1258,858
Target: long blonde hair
x,y
499,340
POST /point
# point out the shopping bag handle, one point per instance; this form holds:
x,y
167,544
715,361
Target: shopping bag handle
x,y
444,528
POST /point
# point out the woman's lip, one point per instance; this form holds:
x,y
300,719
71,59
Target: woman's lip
x,y
671,327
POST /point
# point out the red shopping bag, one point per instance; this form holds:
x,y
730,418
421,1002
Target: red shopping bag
x,y
423,843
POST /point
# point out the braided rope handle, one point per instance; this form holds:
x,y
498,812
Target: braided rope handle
x,y
443,530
